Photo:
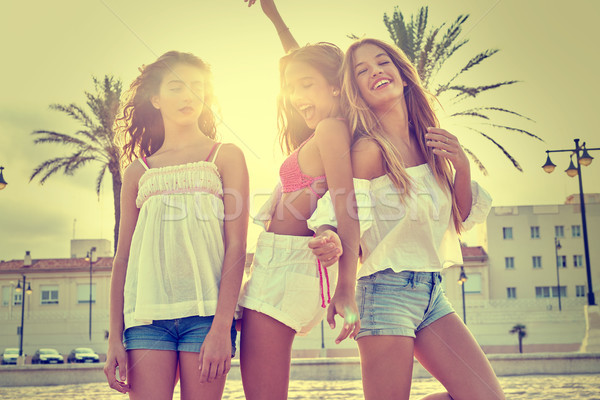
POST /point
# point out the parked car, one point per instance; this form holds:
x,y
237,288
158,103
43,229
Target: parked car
x,y
10,355
47,356
82,355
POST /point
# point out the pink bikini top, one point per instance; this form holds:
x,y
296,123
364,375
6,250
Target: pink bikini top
x,y
292,177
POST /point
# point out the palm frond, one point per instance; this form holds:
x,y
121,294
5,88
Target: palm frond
x,y
99,179
470,113
55,137
510,128
472,63
506,153
476,160
504,111
75,112
473,91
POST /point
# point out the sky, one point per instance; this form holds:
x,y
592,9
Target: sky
x,y
51,50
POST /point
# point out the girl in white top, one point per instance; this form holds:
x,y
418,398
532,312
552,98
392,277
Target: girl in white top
x,y
411,209
182,238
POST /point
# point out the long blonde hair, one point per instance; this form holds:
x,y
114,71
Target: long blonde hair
x,y
326,58
139,127
364,123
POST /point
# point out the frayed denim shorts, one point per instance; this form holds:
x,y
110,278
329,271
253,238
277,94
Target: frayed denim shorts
x,y
400,303
181,334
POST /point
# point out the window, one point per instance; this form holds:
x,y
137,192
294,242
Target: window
x,y
511,292
83,293
559,231
535,232
6,296
542,291
473,284
563,291
49,294
17,298
577,260
576,230
561,261
509,262
507,233
537,261
579,291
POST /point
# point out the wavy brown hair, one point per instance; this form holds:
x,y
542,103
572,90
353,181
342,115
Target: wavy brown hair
x,y
326,58
140,131
364,123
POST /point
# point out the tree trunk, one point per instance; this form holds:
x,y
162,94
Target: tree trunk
x,y
116,176
520,344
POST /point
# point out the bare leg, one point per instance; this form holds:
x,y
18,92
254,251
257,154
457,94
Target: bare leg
x,y
151,374
265,356
450,353
386,363
191,388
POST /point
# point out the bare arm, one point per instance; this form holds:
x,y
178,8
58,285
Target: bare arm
x,y
215,354
116,355
285,36
333,140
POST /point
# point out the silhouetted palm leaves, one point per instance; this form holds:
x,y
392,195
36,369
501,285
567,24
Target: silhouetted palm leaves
x,y
429,49
92,143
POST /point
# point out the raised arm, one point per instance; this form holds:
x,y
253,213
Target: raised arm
x,y
215,354
285,36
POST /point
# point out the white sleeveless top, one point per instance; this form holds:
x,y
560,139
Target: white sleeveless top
x,y
177,249
416,234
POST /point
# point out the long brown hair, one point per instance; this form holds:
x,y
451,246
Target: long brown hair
x,y
419,104
139,128
326,58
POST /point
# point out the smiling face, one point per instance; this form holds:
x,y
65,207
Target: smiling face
x,y
376,76
310,94
180,97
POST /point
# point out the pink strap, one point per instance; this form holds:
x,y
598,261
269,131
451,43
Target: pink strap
x,y
145,162
211,151
321,271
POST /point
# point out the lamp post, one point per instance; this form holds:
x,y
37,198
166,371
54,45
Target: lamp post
x,y
557,247
91,257
3,183
26,263
461,281
322,338
584,159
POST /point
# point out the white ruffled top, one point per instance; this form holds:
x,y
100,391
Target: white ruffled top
x,y
177,249
417,235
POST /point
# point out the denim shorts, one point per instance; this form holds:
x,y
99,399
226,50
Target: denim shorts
x,y
181,334
400,303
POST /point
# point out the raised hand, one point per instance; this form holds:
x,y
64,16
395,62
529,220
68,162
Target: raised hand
x,y
446,145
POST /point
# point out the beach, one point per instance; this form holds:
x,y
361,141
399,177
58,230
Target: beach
x,y
530,387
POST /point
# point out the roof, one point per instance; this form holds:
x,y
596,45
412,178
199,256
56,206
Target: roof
x,y
473,253
55,264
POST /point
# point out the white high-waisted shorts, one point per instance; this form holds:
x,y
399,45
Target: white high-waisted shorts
x,y
285,282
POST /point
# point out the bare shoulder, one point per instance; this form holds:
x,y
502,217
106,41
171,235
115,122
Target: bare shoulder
x,y
367,160
133,172
230,159
332,130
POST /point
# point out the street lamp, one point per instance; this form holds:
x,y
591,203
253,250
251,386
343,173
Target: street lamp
x,y
2,181
91,257
461,281
584,159
557,247
26,263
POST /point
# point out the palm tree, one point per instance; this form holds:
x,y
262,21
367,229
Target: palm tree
x,y
429,50
519,329
92,143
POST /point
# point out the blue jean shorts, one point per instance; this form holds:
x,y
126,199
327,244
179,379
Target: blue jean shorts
x,y
400,303
181,334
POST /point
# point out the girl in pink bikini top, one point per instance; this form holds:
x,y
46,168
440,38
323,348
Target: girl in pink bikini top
x,y
292,177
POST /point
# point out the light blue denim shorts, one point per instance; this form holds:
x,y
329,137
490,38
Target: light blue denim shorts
x,y
400,303
181,334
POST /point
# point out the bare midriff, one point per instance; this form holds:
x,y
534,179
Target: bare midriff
x,y
294,209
